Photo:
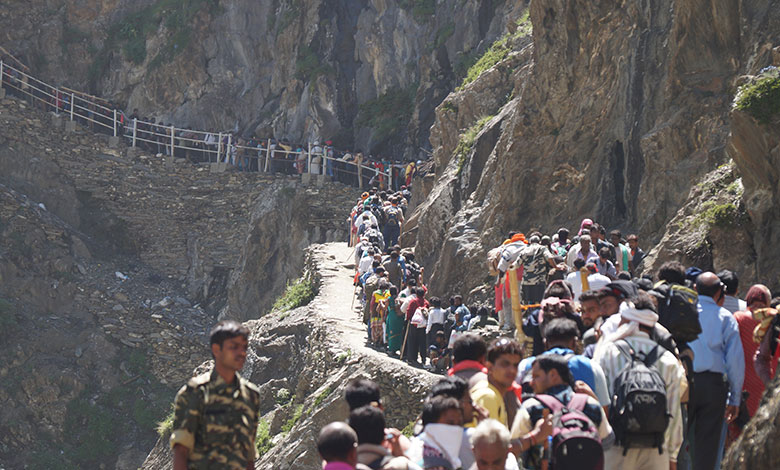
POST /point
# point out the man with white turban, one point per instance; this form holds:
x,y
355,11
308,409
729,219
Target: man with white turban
x,y
637,321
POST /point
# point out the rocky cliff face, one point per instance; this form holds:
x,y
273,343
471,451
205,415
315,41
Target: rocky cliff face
x,y
112,270
365,73
616,113
756,447
303,363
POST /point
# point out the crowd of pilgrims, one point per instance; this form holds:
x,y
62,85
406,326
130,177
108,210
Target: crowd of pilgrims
x,y
586,362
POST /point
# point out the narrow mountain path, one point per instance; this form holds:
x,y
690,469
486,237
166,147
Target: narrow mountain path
x,y
336,263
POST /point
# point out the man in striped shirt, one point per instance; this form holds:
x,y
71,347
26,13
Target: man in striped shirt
x,y
637,321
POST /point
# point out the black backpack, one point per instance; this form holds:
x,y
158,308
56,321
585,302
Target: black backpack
x,y
638,411
678,312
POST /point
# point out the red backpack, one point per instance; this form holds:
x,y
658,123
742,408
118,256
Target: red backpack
x,y
575,439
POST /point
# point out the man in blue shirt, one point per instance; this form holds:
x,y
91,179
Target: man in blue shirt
x,y
561,335
718,366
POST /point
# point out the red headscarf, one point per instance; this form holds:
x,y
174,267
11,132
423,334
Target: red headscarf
x,y
758,293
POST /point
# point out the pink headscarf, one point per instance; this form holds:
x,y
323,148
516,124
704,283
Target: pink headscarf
x,y
586,223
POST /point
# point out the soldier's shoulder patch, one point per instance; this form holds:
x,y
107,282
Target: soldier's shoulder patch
x,y
251,386
199,380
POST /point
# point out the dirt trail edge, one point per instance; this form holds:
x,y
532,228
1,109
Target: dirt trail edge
x,y
336,264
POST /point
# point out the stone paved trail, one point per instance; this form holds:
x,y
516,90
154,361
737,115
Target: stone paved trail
x,y
337,267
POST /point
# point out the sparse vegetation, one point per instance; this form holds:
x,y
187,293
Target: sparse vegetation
x,y
466,141
408,430
719,215
343,357
308,65
322,396
761,97
90,428
297,294
389,113
293,420
497,52
449,107
421,10
165,426
283,397
130,33
442,34
289,14
263,438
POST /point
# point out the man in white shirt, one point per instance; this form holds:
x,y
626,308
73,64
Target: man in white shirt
x,y
583,250
594,279
637,322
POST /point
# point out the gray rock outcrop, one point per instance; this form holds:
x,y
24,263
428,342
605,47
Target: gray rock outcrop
x,y
301,69
617,112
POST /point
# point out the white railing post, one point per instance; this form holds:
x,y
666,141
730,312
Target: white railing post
x,y
135,129
173,141
72,104
219,147
114,122
308,169
390,178
1,73
267,155
229,151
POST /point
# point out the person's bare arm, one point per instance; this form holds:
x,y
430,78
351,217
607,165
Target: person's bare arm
x,y
180,454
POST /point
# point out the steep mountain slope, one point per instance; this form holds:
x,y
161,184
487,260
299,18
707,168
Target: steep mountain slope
x,y
112,270
365,73
616,112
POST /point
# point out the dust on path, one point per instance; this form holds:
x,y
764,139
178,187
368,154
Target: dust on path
x,y
336,262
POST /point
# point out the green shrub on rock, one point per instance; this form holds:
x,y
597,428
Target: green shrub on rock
x,y
761,97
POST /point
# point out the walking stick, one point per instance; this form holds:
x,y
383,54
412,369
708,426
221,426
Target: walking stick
x,y
406,335
351,254
354,294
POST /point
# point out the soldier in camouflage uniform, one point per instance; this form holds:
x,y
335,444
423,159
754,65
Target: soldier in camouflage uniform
x,y
536,260
216,413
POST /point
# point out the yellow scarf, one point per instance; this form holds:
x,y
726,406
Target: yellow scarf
x,y
764,317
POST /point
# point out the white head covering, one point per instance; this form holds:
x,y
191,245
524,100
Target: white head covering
x,y
644,317
635,317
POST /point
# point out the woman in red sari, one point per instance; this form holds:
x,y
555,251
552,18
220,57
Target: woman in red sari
x,y
758,297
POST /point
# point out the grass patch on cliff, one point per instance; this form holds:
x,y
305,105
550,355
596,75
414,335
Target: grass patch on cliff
x,y
165,426
308,65
421,10
292,11
293,420
716,214
321,397
466,142
761,97
497,51
89,428
389,113
263,438
408,430
130,33
297,294
442,34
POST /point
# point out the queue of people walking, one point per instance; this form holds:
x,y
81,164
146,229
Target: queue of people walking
x,y
597,366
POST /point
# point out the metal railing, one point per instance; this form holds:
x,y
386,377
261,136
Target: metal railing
x,y
266,156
